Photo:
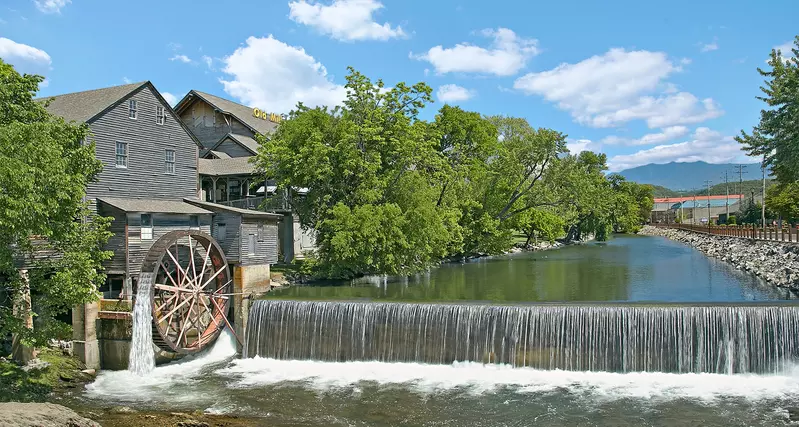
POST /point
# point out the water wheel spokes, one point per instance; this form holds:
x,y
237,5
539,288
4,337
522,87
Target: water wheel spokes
x,y
190,298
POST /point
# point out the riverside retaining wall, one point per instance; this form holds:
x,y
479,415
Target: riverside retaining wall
x,y
774,262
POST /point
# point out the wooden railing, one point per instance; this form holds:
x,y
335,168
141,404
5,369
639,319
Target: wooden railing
x,y
271,203
775,234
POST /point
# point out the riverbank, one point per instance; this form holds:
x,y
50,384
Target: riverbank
x,y
776,263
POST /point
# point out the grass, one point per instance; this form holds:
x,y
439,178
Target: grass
x,y
36,385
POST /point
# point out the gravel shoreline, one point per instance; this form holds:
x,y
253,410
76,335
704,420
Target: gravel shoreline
x,y
776,263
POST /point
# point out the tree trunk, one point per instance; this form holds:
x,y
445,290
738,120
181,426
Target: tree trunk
x,y
22,310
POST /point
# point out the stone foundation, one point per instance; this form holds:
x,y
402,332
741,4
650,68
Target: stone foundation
x,y
249,282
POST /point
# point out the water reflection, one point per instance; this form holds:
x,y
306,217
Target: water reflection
x,y
627,268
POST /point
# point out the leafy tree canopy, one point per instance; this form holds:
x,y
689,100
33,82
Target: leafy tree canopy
x,y
776,137
44,169
389,193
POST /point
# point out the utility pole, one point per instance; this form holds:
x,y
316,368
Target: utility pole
x,y
682,202
707,183
763,208
727,181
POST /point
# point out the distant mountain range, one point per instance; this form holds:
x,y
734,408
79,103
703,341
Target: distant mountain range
x,y
689,176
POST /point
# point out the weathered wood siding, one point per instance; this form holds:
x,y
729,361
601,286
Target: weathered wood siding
x,y
145,176
265,245
117,243
210,126
233,149
230,241
162,224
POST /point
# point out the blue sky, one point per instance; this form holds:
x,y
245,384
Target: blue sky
x,y
644,82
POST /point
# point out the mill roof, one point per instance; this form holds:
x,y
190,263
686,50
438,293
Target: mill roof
x,y
154,206
241,112
216,207
86,105
226,167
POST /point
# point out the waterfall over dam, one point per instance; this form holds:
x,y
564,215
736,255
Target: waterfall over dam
x,y
579,337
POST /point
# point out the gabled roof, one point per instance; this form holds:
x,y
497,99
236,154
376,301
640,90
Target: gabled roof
x,y
226,167
154,206
88,105
85,106
250,144
216,207
241,112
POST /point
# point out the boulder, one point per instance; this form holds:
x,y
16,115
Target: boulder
x,y
41,415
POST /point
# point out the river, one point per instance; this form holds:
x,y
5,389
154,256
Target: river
x,y
626,268
324,392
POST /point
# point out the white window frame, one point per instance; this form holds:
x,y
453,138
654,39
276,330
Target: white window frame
x,y
169,165
160,115
194,222
146,230
133,109
121,159
221,231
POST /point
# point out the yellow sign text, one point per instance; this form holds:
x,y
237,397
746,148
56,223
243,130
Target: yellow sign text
x,y
263,115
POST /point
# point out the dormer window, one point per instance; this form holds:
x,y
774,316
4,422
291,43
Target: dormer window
x,y
132,109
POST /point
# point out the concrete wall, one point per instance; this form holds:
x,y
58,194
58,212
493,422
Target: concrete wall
x,y
249,283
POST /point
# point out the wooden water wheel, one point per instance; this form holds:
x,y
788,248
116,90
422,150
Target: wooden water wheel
x,y
191,291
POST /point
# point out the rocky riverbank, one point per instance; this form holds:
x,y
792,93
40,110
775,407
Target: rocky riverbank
x,y
777,263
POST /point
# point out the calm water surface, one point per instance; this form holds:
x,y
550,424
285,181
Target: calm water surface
x,y
626,268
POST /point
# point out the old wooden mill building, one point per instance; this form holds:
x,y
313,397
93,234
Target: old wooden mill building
x,y
171,171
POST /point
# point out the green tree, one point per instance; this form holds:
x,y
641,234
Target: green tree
x,y
783,199
373,171
45,224
632,204
545,224
776,137
516,178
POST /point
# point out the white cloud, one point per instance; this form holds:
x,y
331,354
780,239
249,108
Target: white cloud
x,y
619,86
709,47
51,6
169,98
666,134
24,58
346,20
578,146
127,80
507,55
273,75
209,62
454,93
785,50
706,145
182,58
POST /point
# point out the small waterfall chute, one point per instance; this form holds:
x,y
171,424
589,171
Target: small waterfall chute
x,y
141,359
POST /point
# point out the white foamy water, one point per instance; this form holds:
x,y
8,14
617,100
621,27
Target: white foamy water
x,y
128,386
478,378
141,359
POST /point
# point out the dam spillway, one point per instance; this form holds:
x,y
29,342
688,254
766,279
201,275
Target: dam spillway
x,y
576,337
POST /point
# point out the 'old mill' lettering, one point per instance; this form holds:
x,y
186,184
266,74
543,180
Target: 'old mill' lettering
x,y
272,117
